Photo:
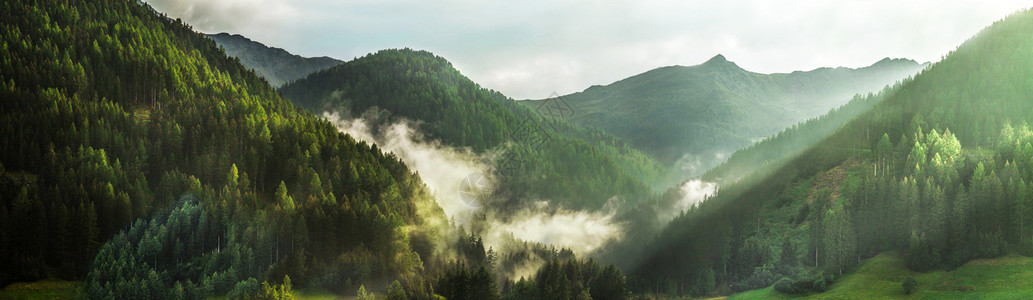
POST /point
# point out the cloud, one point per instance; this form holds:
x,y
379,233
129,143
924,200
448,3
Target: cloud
x,y
693,192
529,49
258,19
443,169
580,231
440,167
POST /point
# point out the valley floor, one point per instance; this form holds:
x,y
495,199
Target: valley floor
x,y
1007,277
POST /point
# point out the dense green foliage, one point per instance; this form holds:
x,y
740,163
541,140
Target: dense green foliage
x,y
111,111
171,251
579,167
569,279
939,169
695,116
275,65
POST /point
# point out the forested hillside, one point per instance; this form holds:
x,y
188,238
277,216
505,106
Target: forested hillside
x,y
572,166
693,117
275,65
939,170
112,112
139,158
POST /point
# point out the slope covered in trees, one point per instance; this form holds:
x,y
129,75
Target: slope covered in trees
x,y
939,169
573,166
111,112
275,65
695,116
137,156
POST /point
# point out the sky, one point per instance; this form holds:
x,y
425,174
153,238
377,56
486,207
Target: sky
x,y
532,49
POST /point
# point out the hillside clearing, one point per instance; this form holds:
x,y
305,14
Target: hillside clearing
x,y
880,277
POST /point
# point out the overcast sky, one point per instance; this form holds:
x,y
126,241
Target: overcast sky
x,y
530,49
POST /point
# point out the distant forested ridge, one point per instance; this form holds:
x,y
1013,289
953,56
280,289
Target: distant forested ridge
x,y
275,65
572,166
939,168
693,117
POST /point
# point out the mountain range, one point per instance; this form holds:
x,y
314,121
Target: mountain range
x,y
140,159
570,165
688,118
693,117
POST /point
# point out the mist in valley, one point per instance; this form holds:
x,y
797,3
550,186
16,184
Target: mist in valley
x,y
503,223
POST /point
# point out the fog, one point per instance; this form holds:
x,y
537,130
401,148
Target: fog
x,y
440,167
694,164
443,169
692,193
580,231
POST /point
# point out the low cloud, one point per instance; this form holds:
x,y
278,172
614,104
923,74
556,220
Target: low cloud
x,y
580,231
693,192
443,169
267,17
692,165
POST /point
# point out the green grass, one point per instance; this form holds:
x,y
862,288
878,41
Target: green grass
x,y
1008,277
46,289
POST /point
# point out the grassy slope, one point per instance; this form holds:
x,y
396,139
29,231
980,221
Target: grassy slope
x,y
1008,277
44,289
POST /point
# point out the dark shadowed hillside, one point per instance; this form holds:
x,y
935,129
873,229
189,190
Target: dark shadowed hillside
x,y
136,156
274,64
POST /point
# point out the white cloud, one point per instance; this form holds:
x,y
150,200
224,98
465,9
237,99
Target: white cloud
x,y
580,231
440,167
693,192
443,169
529,49
256,18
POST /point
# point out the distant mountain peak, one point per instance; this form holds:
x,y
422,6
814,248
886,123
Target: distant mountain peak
x,y
895,61
720,61
717,59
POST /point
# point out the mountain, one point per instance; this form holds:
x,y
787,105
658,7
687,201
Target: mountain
x,y
136,156
276,65
937,170
693,117
574,167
